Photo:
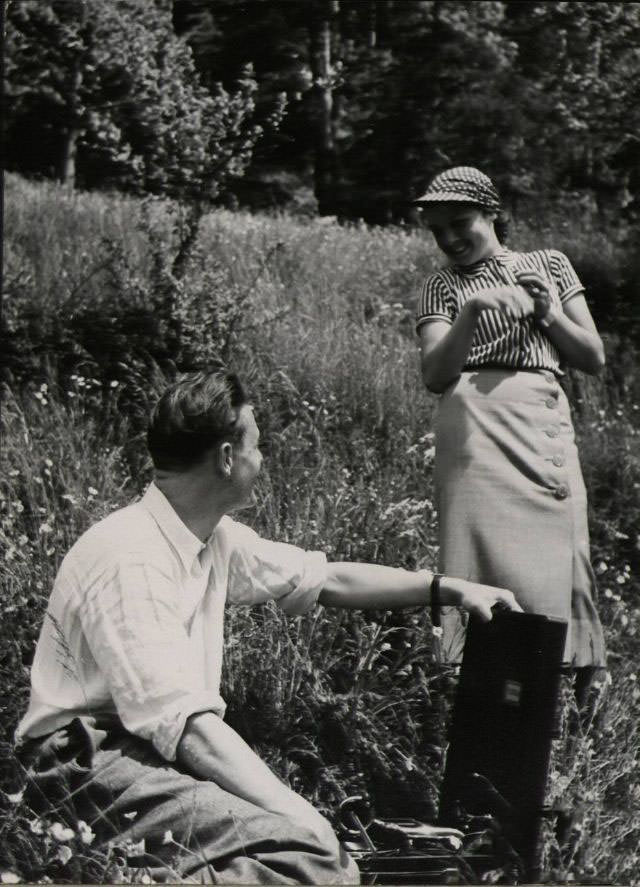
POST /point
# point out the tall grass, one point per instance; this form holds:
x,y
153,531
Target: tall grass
x,y
337,703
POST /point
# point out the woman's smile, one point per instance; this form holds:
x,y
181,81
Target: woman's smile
x,y
464,233
457,250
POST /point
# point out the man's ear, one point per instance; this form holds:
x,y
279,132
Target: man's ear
x,y
224,459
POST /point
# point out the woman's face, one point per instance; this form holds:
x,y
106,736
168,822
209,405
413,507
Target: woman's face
x,y
464,232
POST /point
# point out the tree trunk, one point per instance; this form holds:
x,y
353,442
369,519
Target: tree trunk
x,y
73,130
68,157
372,24
320,56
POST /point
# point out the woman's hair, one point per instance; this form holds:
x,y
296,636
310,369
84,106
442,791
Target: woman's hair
x,y
501,225
193,414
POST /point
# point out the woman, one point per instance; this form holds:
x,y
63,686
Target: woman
x,y
495,327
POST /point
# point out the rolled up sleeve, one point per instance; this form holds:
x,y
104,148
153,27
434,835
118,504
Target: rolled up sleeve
x,y
564,274
433,302
261,570
131,618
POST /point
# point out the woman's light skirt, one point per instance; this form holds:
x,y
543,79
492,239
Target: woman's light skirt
x,y
512,503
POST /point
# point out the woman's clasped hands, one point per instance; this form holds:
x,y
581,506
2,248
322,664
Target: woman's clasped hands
x,y
508,298
529,293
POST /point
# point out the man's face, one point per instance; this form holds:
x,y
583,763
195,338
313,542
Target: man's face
x,y
464,233
247,458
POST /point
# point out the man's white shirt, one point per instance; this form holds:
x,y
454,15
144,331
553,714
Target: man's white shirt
x,y
135,621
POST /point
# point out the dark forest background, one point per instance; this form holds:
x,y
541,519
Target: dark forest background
x,y
359,102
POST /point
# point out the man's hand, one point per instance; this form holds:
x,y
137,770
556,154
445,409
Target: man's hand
x,y
211,749
476,599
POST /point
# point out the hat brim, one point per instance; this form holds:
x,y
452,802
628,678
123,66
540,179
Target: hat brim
x,y
447,197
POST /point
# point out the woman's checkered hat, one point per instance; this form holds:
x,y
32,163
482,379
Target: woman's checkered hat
x,y
462,184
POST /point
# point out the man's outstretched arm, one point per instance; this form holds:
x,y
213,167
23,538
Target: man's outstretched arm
x,y
376,587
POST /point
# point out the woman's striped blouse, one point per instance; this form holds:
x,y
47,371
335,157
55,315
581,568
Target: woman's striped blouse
x,y
499,341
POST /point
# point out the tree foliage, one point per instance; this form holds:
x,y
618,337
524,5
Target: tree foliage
x,y
110,92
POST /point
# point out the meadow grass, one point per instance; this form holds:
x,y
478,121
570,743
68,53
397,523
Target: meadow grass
x,y
337,703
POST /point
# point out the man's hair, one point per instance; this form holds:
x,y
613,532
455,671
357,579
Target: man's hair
x,y
195,413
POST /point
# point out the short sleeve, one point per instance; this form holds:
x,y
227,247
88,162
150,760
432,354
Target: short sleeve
x,y
433,302
132,622
564,275
261,570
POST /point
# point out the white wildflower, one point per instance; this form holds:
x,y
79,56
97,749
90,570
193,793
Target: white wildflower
x,y
64,854
9,878
85,831
60,832
136,849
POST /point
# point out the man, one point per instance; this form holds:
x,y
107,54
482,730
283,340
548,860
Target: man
x,y
125,728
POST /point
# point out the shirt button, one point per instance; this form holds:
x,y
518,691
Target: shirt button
x,y
551,402
552,432
558,461
561,492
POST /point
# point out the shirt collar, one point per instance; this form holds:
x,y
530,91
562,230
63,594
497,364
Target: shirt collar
x,y
186,543
502,256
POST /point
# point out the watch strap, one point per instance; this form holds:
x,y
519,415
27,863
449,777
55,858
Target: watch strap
x,y
434,599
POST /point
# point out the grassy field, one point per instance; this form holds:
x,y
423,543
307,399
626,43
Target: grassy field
x,y
318,318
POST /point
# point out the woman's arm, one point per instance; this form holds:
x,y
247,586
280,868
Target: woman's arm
x,y
445,347
571,329
575,336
